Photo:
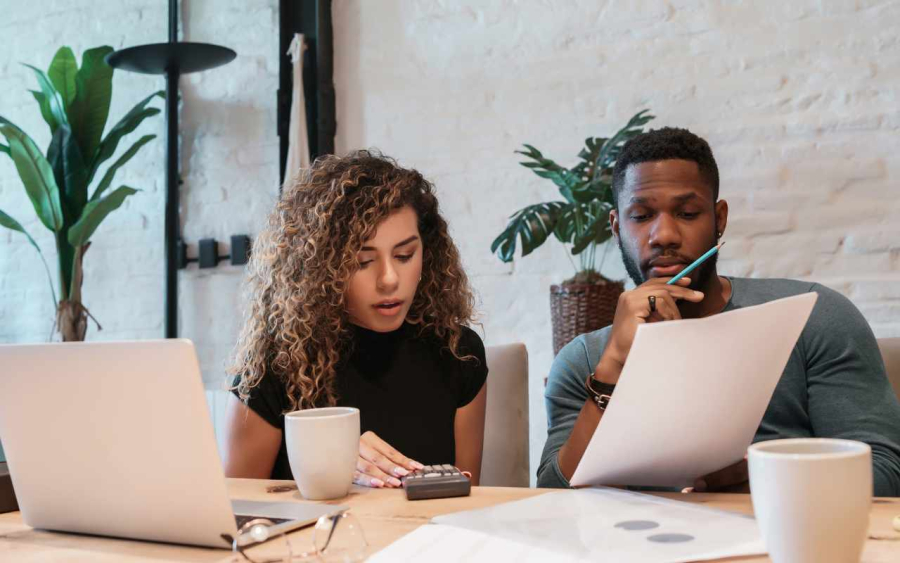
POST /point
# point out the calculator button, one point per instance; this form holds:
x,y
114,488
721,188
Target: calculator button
x,y
427,469
448,468
428,475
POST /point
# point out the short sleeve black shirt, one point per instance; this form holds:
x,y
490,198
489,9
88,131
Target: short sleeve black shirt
x,y
407,386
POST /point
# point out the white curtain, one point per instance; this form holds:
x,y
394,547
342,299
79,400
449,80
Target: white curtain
x,y
298,141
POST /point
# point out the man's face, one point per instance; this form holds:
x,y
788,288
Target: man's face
x,y
666,219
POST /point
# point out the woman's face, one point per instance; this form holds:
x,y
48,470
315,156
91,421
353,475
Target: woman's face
x,y
390,265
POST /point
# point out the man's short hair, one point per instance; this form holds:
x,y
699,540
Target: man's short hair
x,y
665,144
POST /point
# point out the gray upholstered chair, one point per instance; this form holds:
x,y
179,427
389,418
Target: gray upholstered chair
x,y
505,459
890,351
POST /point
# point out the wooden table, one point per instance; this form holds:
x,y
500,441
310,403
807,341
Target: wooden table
x,y
385,515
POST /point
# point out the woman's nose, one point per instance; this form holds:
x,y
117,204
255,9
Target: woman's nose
x,y
388,278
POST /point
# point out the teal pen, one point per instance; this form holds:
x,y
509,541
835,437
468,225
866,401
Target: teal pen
x,y
696,263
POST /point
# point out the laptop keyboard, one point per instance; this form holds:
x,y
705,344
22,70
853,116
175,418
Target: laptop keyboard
x,y
241,519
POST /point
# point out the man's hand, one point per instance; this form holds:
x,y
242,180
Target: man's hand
x,y
380,465
634,308
733,479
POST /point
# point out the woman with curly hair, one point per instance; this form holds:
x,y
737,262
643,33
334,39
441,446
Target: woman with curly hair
x,y
357,298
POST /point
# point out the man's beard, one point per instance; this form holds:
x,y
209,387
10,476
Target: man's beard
x,y
699,277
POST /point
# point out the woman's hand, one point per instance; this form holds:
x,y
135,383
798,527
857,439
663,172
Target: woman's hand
x,y
380,465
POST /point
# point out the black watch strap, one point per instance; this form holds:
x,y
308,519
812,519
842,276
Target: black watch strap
x,y
596,386
600,392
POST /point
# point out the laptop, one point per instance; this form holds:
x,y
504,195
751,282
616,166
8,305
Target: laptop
x,y
116,439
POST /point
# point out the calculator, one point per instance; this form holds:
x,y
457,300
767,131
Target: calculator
x,y
436,481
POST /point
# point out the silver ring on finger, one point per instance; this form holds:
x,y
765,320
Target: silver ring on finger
x,y
652,300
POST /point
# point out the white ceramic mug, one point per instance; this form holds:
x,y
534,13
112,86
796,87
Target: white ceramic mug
x,y
812,498
322,447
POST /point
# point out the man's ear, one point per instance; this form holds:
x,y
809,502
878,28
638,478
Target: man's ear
x,y
721,216
614,223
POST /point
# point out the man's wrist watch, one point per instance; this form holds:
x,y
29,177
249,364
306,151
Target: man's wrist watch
x,y
599,392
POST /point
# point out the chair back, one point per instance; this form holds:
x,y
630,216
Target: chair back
x,y
890,351
505,459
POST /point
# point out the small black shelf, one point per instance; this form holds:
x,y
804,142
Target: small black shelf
x,y
181,57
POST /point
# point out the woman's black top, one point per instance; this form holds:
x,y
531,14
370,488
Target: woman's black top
x,y
406,385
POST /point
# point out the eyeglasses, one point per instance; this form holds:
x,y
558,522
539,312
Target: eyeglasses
x,y
336,538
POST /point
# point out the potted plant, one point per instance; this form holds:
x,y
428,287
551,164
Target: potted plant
x,y
75,104
580,221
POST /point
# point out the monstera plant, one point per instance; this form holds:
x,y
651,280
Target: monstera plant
x,y
75,104
580,221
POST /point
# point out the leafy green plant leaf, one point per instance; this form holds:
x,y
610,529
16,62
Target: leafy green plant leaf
x,y
597,231
531,225
570,223
111,171
4,121
592,146
611,149
4,148
546,168
591,191
62,73
10,223
90,108
50,98
94,214
70,172
37,176
125,126
45,110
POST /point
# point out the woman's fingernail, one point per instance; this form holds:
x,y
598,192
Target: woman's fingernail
x,y
376,482
394,481
400,471
418,465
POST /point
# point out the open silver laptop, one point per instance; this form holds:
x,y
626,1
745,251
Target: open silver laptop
x,y
115,439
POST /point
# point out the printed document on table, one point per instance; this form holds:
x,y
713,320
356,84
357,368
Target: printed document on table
x,y
448,544
587,525
692,394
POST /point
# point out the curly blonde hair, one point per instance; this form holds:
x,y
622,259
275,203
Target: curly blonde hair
x,y
297,327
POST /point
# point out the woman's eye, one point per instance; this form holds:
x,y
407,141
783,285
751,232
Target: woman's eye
x,y
364,263
404,257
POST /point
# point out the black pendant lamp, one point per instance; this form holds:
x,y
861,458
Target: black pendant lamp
x,y
171,59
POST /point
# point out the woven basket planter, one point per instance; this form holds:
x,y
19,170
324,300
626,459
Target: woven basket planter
x,y
579,308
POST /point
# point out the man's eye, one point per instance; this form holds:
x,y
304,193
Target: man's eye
x,y
690,215
641,217
404,257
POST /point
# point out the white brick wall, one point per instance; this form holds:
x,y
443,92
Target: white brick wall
x,y
798,99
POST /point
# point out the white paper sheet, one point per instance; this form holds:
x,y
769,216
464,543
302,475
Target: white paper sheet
x,y
692,394
449,544
587,525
